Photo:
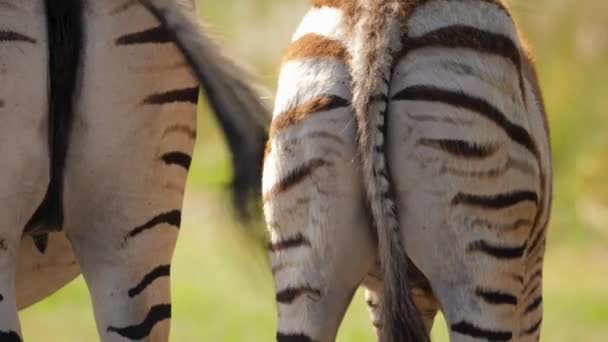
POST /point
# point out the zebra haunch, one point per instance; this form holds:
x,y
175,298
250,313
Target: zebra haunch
x,y
98,105
408,153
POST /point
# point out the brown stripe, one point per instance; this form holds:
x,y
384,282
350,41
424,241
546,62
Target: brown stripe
x,y
312,45
181,128
300,112
124,6
294,177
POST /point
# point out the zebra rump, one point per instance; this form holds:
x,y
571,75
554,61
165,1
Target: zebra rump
x,y
241,114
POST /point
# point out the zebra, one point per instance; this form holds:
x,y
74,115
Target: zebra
x,y
98,106
409,153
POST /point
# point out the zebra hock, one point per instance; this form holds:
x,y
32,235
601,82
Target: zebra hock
x,y
105,95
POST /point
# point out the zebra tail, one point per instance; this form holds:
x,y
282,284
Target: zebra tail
x,y
376,39
238,108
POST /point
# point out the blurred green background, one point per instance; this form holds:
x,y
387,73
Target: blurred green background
x,y
222,290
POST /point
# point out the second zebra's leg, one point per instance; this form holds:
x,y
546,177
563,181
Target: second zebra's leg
x,y
420,290
471,157
130,149
24,156
320,244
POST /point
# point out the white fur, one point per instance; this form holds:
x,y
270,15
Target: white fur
x,y
324,21
24,160
305,79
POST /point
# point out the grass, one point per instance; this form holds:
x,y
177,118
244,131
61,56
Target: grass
x,y
222,290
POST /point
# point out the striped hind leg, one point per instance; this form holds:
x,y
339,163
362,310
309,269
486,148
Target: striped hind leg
x,y
24,159
470,157
132,138
320,242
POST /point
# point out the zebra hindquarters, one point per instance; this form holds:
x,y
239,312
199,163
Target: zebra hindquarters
x,y
24,157
320,244
470,159
130,150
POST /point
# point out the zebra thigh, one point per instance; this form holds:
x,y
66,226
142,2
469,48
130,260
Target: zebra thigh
x,y
24,158
130,148
321,245
469,158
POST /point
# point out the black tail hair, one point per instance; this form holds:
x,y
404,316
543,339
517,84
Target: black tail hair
x,y
242,116
65,42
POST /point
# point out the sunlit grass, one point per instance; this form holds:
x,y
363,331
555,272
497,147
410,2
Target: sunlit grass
x,y
223,292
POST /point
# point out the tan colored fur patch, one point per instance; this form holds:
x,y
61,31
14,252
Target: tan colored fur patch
x,y
313,45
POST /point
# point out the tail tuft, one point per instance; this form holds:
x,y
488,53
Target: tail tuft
x,y
377,37
238,108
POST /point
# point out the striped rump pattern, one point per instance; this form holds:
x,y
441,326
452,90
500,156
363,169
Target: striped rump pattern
x,y
98,103
409,154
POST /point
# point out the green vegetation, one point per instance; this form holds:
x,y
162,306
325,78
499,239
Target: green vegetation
x,y
222,290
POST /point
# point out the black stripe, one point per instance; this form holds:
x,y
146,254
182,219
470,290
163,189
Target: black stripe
x,y
281,337
462,100
177,158
466,328
295,176
382,98
292,242
460,148
534,328
158,272
155,35
41,242
172,218
500,201
244,122
500,252
534,305
65,45
188,95
9,336
468,37
496,297
290,294
156,314
11,36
